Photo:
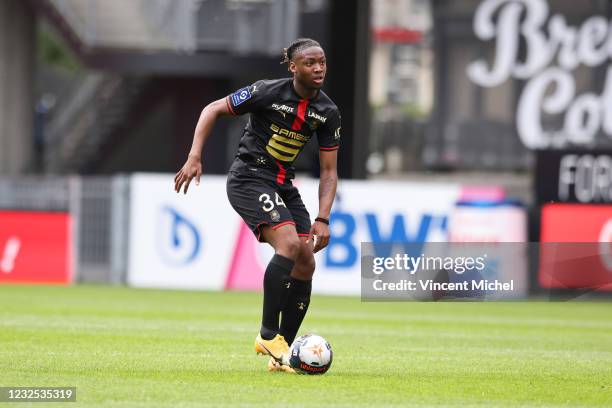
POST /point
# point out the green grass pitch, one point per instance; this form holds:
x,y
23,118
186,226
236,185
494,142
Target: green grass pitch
x,y
126,347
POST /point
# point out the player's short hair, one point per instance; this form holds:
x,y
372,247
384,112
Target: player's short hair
x,y
297,46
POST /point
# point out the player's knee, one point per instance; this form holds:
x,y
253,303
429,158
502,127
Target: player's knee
x,y
289,247
310,263
304,267
309,267
293,246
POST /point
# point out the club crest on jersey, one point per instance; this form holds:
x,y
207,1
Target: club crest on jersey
x,y
241,95
274,215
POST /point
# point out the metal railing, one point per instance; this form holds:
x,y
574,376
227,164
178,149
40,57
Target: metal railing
x,y
99,207
35,193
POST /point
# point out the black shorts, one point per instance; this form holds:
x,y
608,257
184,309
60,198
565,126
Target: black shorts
x,y
261,201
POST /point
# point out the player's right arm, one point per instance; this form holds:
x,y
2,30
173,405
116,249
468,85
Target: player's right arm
x,y
193,166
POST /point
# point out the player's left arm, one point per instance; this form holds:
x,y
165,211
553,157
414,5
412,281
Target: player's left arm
x,y
327,192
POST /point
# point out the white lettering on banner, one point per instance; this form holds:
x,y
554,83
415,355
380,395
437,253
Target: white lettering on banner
x,y
605,244
590,178
11,250
550,89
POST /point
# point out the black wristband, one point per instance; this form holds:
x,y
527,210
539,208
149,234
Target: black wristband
x,y
323,220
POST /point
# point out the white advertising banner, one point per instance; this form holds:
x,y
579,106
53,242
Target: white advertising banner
x,y
375,211
176,240
197,241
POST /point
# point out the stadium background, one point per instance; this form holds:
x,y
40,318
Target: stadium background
x,y
99,100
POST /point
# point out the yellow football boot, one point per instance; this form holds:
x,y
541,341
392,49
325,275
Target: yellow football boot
x,y
275,366
277,348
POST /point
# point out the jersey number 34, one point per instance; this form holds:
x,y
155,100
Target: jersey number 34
x,y
268,204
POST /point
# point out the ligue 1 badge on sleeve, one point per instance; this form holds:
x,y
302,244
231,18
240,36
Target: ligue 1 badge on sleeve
x,y
274,215
241,96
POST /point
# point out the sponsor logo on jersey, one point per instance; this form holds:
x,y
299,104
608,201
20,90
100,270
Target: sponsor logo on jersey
x,y
289,133
285,144
282,108
314,115
241,95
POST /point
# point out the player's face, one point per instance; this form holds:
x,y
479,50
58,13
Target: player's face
x,y
309,67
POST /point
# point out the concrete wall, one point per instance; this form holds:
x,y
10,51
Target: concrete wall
x,y
17,44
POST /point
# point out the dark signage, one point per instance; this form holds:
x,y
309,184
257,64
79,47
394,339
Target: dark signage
x,y
574,176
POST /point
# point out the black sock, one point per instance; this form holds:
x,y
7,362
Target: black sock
x,y
295,308
276,279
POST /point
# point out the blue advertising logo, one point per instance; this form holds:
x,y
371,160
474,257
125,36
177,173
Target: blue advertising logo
x,y
342,252
179,240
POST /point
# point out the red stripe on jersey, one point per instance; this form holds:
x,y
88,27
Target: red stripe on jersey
x,y
282,173
301,114
329,148
229,105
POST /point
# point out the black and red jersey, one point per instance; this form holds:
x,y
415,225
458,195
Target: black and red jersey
x,y
280,125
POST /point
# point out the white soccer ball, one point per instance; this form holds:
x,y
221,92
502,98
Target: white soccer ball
x,y
311,354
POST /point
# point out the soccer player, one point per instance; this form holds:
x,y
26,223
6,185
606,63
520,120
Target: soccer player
x,y
284,115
